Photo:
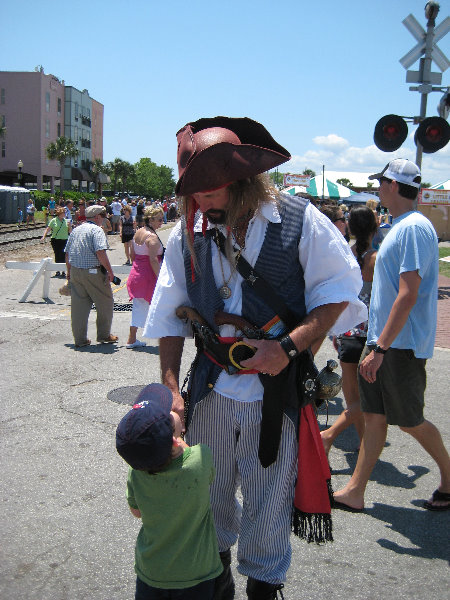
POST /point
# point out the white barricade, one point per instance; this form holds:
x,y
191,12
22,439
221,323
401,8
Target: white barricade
x,y
46,267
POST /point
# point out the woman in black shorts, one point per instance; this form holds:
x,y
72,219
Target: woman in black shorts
x,y
363,226
127,229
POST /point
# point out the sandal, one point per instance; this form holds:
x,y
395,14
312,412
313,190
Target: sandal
x,y
438,497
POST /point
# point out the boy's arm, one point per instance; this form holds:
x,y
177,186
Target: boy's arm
x,y
130,497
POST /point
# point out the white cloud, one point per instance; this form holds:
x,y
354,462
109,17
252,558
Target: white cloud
x,y
337,155
331,141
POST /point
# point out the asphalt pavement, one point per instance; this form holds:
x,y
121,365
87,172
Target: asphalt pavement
x,y
65,528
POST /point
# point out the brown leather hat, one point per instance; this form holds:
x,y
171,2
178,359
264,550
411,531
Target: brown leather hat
x,y
217,151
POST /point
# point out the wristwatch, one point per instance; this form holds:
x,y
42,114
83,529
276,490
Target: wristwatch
x,y
289,347
379,350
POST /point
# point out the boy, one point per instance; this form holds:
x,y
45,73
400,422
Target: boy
x,y
176,552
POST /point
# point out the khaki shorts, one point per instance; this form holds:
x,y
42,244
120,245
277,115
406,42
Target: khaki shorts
x,y
398,391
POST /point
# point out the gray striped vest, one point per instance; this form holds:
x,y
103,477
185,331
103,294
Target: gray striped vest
x,y
277,263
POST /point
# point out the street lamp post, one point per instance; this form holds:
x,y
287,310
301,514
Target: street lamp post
x,y
19,172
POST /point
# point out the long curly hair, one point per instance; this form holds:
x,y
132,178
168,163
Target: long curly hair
x,y
363,226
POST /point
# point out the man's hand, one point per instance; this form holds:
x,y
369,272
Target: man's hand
x,y
370,365
270,357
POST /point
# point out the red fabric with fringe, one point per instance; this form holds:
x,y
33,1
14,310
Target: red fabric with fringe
x,y
313,495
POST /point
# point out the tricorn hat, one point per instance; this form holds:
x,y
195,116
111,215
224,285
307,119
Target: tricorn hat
x,y
214,152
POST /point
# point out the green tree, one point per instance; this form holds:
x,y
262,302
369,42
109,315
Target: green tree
x,y
370,184
425,184
344,181
277,178
62,150
120,171
309,172
153,180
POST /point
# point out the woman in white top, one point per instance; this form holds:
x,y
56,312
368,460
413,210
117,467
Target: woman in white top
x,y
146,253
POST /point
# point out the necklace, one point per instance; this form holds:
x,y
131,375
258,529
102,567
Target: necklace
x,y
224,290
239,229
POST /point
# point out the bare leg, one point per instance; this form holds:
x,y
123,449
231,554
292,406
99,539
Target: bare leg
x,y
371,447
352,414
430,439
132,335
127,250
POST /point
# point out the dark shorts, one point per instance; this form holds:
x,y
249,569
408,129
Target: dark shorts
x,y
350,348
202,591
127,238
398,391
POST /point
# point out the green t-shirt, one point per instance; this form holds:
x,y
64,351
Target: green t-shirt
x,y
177,545
60,230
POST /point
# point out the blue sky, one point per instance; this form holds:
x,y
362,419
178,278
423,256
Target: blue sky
x,y
318,75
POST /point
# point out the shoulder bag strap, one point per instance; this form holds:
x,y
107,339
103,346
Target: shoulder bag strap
x,y
260,285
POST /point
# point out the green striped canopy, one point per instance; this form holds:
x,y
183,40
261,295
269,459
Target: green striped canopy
x,y
332,190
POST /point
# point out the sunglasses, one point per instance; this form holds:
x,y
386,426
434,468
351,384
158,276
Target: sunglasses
x,y
340,219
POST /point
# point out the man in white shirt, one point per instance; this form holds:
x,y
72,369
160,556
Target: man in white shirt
x,y
297,251
116,207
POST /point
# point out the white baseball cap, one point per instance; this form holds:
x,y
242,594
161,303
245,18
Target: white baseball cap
x,y
401,170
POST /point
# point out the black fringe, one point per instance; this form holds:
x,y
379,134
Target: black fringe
x,y
330,492
316,528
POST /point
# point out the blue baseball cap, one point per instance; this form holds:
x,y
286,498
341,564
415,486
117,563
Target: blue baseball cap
x,y
144,435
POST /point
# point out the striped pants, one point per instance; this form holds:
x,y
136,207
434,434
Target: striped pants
x,y
263,523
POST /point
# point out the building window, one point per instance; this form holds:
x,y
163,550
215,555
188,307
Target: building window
x,y
47,128
76,111
3,149
2,96
3,120
47,101
59,129
59,107
75,134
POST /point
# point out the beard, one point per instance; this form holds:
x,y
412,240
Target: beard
x,y
216,217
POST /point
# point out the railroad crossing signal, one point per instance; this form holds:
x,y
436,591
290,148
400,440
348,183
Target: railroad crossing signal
x,y
436,54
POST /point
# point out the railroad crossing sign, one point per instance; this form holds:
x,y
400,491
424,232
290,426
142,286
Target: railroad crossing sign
x,y
426,45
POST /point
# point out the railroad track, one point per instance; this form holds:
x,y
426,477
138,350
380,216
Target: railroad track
x,y
12,236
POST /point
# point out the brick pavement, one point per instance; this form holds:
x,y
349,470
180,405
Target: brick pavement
x,y
443,313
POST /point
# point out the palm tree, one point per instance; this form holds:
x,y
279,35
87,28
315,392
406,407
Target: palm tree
x,y
61,150
97,167
128,172
121,171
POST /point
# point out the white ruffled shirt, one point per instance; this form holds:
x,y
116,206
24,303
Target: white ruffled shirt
x,y
331,275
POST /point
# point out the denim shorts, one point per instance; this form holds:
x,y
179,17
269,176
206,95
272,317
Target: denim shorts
x,y
399,389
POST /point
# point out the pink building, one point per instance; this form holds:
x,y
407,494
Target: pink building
x,y
36,109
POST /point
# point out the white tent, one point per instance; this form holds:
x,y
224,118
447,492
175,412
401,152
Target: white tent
x,y
332,189
294,189
445,185
360,198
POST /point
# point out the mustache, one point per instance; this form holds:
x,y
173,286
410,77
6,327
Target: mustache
x,y
216,217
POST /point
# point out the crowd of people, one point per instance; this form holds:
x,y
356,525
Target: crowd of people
x,y
263,277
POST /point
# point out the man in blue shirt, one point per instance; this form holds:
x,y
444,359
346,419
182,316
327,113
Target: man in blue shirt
x,y
402,328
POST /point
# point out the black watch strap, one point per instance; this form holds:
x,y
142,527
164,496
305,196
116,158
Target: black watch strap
x,y
289,347
379,350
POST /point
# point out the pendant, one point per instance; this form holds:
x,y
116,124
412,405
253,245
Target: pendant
x,y
224,292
